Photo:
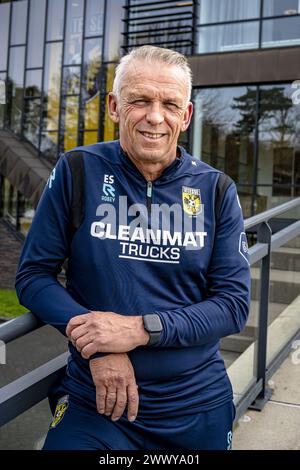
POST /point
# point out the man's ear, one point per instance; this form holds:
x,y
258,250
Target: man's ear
x,y
113,108
187,117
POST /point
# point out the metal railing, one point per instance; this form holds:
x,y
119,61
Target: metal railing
x,y
28,390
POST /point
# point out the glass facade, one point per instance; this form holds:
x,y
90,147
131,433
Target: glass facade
x,y
56,57
14,207
230,25
252,133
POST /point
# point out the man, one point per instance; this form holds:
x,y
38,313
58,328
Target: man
x,y
157,274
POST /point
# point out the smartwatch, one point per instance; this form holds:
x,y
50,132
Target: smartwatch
x,y
153,325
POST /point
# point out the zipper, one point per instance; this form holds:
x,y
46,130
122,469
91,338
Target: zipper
x,y
149,196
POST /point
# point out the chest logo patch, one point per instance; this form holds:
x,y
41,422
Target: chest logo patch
x,y
191,201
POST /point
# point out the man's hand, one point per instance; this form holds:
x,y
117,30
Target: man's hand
x,y
114,379
106,332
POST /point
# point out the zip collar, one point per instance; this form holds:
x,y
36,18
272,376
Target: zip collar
x,y
168,173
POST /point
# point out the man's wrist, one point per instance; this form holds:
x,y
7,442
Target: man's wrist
x,y
142,336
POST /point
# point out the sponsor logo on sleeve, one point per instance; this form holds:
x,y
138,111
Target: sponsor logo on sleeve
x,y
243,246
51,178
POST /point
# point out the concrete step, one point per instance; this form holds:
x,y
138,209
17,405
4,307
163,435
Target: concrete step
x,y
286,258
240,342
295,243
284,285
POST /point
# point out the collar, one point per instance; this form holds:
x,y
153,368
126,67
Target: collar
x,y
167,172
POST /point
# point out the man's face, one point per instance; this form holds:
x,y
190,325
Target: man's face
x,y
152,111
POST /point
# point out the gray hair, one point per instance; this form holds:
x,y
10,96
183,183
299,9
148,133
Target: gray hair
x,y
152,54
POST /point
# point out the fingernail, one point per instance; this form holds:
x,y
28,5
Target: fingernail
x,y
132,418
101,411
114,419
107,414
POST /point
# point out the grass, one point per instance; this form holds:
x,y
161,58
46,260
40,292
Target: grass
x,y
9,304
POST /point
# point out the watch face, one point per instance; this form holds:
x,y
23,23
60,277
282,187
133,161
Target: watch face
x,y
152,322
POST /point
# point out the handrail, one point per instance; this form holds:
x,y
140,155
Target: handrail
x,y
20,326
271,213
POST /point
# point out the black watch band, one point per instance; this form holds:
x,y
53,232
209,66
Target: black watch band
x,y
153,326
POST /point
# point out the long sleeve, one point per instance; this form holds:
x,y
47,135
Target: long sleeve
x,y
44,251
225,309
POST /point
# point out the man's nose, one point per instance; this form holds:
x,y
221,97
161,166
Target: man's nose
x,y
154,114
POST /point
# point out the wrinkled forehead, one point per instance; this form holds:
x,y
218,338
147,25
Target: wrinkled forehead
x,y
154,78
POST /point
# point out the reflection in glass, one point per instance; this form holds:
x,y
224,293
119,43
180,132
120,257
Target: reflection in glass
x,y
281,32
9,201
281,7
279,150
55,20
4,28
32,108
110,129
36,33
90,92
71,81
49,141
52,85
33,83
113,29
224,127
26,213
228,37
90,137
15,86
94,18
213,11
71,123
18,22
74,32
2,106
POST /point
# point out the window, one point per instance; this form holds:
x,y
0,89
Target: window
x,y
4,26
215,11
281,32
36,33
18,24
228,37
74,31
15,86
55,20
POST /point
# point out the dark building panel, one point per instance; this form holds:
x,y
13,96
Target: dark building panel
x,y
261,66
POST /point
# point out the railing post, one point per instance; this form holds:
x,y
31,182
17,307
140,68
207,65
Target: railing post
x,y
264,235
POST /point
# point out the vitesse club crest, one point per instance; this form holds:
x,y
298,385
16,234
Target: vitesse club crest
x,y
191,200
60,410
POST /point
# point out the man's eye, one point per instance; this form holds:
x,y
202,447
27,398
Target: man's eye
x,y
140,102
171,105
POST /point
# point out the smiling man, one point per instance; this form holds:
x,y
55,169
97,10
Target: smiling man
x,y
157,274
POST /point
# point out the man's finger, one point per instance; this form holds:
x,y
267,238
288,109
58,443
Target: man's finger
x,y
74,322
100,398
78,331
83,341
88,350
111,397
121,402
132,401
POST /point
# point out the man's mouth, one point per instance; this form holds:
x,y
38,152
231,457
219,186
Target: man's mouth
x,y
152,135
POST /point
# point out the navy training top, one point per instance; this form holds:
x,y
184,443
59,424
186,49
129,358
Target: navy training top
x,y
191,271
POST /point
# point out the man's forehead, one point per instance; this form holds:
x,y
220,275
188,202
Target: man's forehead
x,y
153,79
148,91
